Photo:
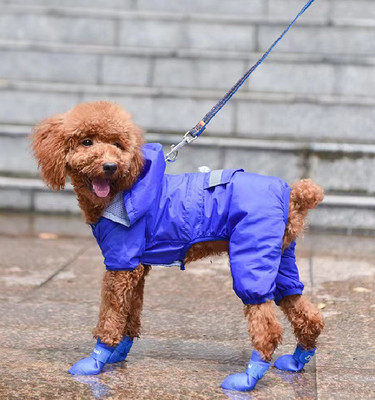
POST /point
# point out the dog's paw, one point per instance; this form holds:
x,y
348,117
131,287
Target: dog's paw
x,y
121,351
288,363
87,366
246,381
294,362
101,355
241,382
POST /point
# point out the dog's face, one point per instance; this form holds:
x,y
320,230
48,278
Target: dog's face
x,y
96,144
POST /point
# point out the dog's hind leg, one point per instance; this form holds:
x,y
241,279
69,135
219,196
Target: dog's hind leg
x,y
307,323
266,334
264,328
120,289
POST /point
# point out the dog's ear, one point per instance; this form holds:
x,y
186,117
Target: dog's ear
x,y
137,160
49,146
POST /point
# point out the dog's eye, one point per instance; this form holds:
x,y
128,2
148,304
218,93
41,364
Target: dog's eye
x,y
118,145
87,142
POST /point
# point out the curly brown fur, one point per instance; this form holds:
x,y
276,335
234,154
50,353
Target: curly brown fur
x,y
264,329
205,249
304,196
120,291
306,320
50,146
58,147
134,309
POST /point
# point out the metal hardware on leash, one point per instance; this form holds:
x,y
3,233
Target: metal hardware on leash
x,y
195,132
189,137
173,154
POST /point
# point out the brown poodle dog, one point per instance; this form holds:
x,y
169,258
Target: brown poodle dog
x,y
100,148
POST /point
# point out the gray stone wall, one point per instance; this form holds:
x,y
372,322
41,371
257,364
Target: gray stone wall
x,y
307,111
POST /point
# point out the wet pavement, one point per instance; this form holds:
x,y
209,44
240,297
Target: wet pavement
x,y
194,333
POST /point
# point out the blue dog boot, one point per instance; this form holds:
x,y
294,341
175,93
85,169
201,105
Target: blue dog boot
x,y
94,364
121,351
247,380
295,362
101,355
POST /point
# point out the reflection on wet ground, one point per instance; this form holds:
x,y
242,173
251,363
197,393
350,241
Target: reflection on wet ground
x,y
194,333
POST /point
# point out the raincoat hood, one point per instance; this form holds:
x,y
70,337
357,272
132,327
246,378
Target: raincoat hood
x,y
138,201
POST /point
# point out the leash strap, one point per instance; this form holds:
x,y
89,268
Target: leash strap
x,y
197,130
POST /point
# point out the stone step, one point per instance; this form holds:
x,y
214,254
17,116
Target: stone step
x,y
194,53
345,168
194,69
325,10
349,214
20,194
271,116
333,35
342,169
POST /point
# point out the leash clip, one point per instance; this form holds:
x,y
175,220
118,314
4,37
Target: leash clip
x,y
173,154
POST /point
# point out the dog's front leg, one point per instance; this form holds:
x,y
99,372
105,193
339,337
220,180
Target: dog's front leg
x,y
133,322
118,289
121,290
266,334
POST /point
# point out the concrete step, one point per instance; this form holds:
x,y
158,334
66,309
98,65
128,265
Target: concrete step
x,y
20,194
342,169
271,116
16,157
173,30
325,10
194,69
345,213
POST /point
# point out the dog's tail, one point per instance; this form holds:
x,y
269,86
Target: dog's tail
x,y
304,196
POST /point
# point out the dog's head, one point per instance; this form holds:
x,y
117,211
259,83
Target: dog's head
x,y
96,144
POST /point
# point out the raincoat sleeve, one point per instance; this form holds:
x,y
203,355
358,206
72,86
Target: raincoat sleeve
x,y
121,246
255,252
287,279
258,215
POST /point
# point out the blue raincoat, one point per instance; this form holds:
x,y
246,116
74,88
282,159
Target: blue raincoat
x,y
161,216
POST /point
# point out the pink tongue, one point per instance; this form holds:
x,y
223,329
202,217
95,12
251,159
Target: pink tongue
x,y
101,187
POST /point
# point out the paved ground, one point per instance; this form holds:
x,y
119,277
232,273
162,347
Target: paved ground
x,y
194,333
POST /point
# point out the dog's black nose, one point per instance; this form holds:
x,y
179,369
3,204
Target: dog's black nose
x,y
109,168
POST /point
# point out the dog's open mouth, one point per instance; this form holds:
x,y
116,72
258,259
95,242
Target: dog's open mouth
x,y
101,187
